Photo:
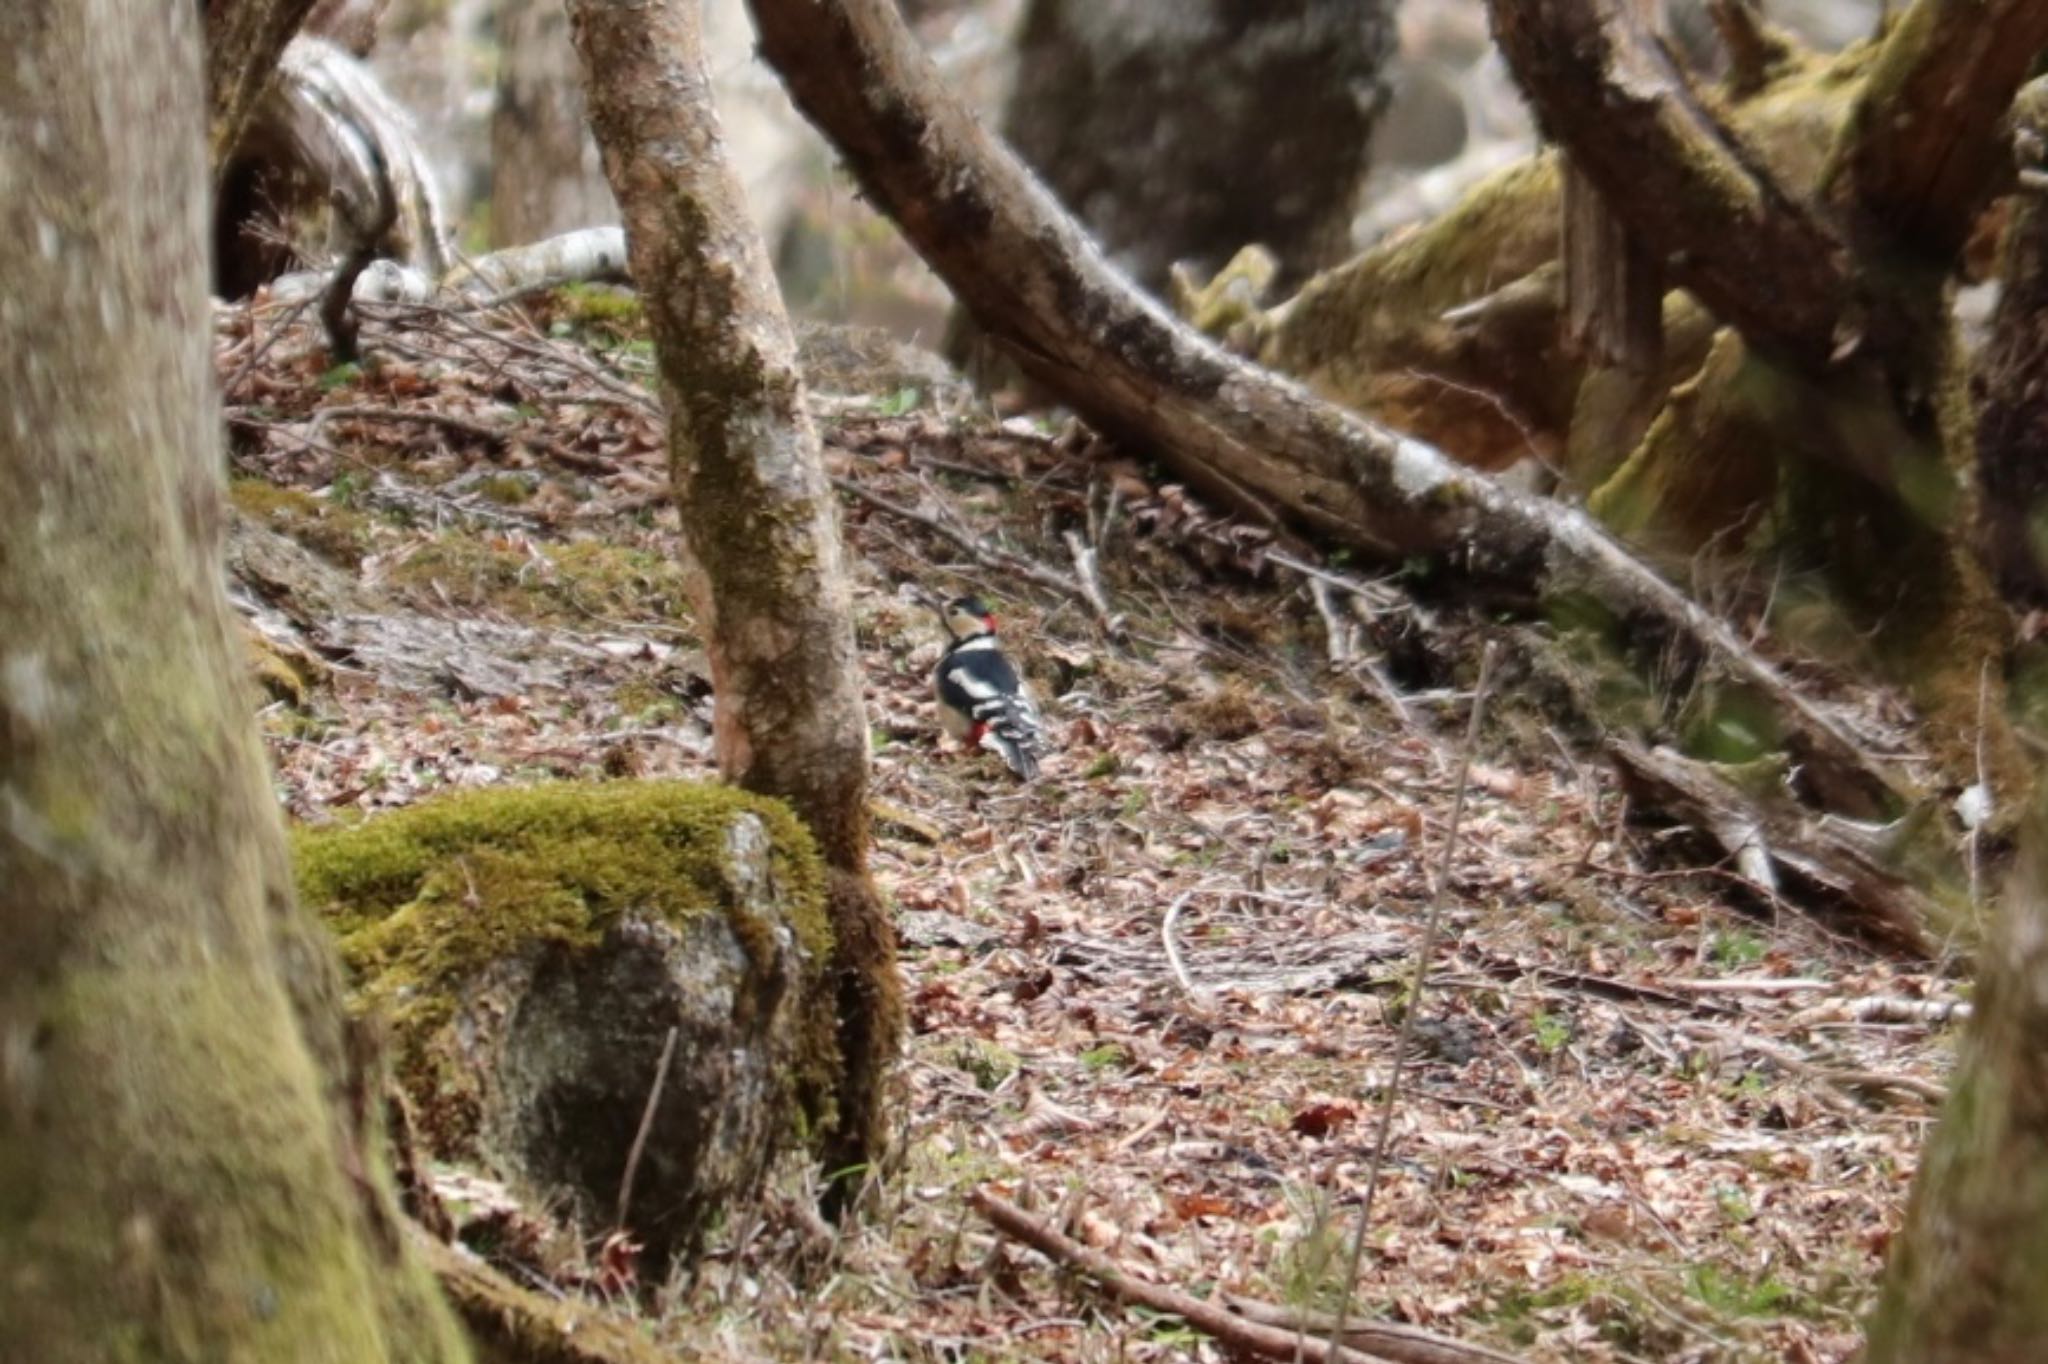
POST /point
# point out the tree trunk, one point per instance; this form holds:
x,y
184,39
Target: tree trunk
x,y
759,519
244,39
1129,109
545,175
184,1167
1964,1282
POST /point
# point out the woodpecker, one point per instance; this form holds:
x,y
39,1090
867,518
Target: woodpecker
x,y
982,701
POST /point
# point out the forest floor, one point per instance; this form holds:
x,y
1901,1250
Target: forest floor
x,y
1156,995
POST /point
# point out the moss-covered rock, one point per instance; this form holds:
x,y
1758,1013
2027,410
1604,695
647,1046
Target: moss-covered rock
x,y
532,948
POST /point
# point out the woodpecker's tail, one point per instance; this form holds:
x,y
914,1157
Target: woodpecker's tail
x,y
1010,726
1017,748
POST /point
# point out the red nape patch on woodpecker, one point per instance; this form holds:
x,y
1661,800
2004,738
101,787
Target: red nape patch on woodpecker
x,y
989,621
974,735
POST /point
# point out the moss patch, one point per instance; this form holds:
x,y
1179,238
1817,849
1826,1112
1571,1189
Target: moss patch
x,y
422,899
335,533
569,583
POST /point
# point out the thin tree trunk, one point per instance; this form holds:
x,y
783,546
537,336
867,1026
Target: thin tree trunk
x,y
759,519
183,1167
545,176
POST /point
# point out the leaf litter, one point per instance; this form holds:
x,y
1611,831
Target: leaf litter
x,y
1152,996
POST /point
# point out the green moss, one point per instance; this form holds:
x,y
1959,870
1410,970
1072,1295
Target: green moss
x,y
601,305
567,583
335,532
422,898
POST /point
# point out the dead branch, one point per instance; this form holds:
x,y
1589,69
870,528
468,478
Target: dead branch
x,y
1090,582
668,1052
1373,1342
1789,838
999,559
1255,441
1386,1339
336,314
1432,928
1679,178
496,435
1923,143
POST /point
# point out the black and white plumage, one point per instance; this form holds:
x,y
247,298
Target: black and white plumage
x,y
982,701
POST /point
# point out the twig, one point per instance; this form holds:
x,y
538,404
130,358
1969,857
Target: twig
x,y
1430,929
1091,584
1173,958
1334,628
257,352
1407,1343
497,435
1228,1327
988,558
1745,985
668,1053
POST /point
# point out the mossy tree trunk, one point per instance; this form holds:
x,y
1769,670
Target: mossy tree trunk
x,y
244,39
1964,1280
759,520
185,1172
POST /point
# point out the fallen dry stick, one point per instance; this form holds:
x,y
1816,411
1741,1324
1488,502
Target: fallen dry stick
x,y
1368,1341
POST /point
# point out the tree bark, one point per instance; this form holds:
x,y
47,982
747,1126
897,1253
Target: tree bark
x,y
186,1162
545,175
1922,150
759,518
244,39
1963,1285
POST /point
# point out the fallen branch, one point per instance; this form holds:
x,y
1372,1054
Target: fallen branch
x,y
1374,1342
496,435
1789,838
1244,436
1001,560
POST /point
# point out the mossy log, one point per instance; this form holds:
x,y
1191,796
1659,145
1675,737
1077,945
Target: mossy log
x,y
531,950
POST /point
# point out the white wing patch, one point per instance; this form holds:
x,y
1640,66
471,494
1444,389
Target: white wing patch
x,y
976,687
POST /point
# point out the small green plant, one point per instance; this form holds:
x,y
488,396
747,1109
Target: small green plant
x,y
1736,948
1553,1034
1733,1202
1729,1295
1108,1056
901,401
1309,1270
341,376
